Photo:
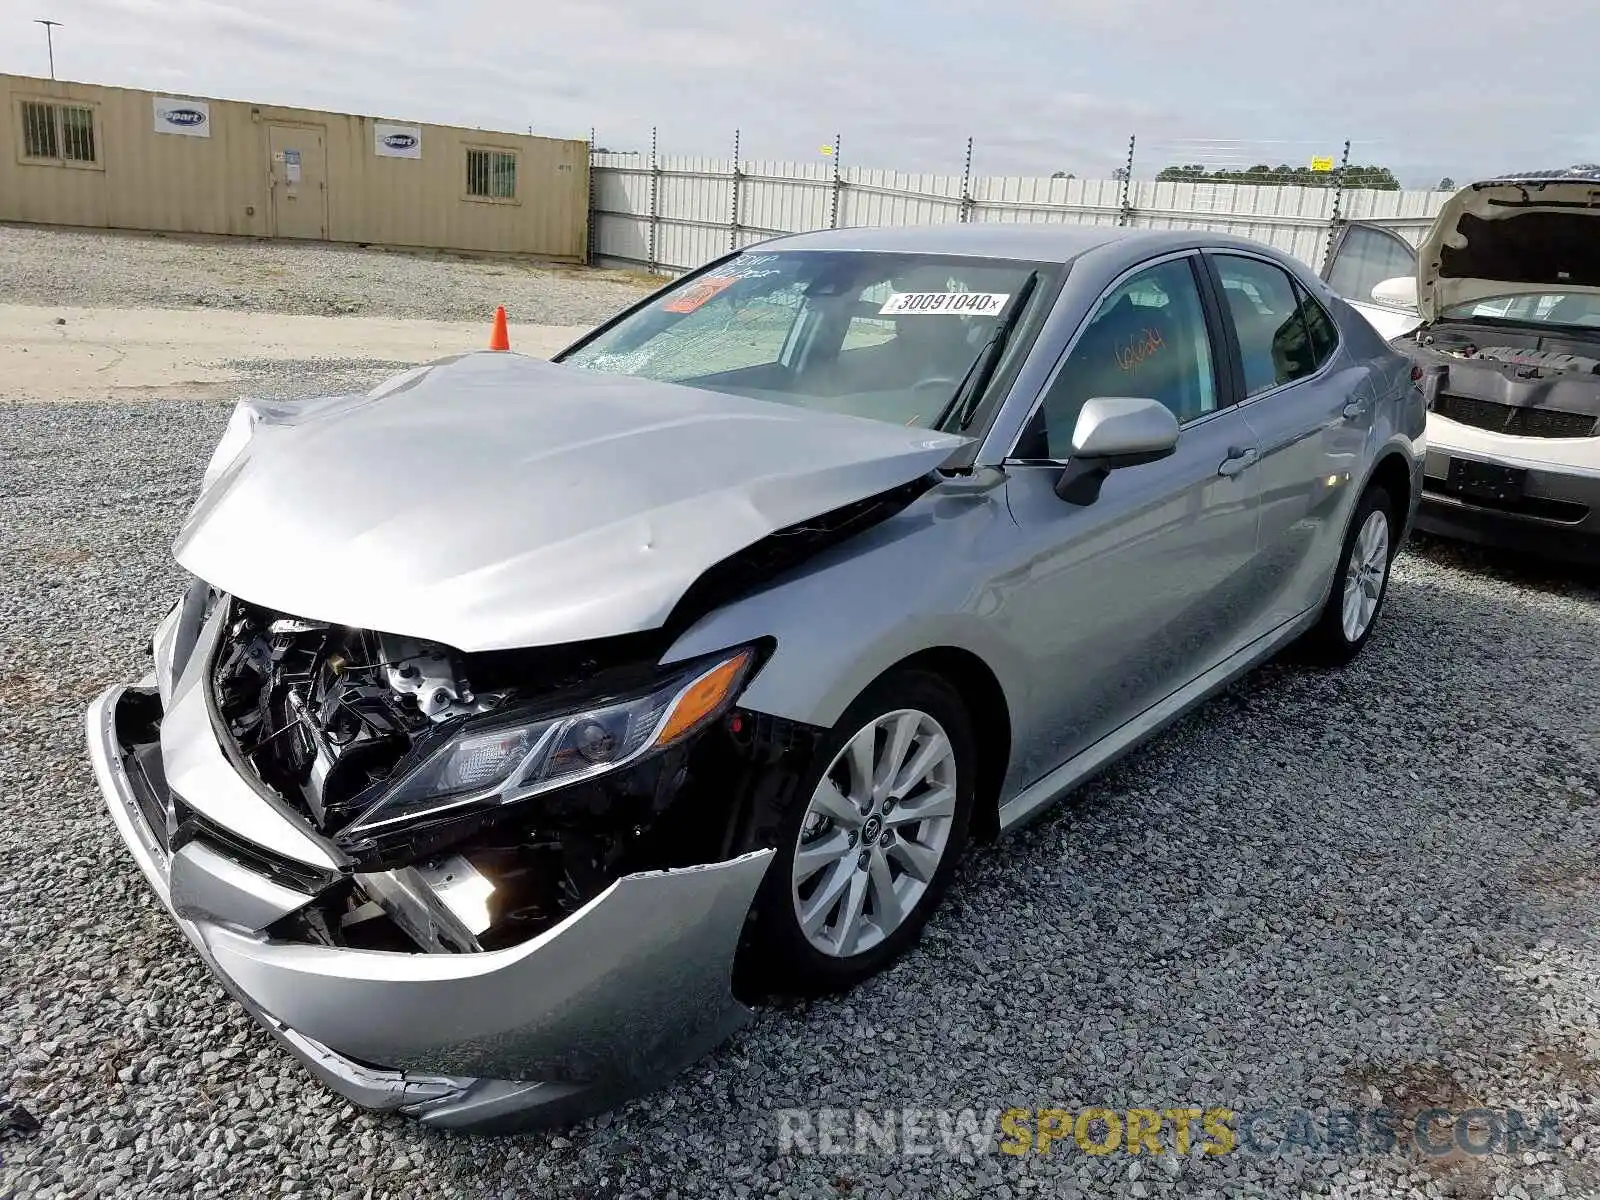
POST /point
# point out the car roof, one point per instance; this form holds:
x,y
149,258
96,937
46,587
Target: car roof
x,y
1050,242
1584,172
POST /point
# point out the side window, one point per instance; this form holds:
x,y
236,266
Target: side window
x,y
1146,338
1324,333
1365,258
1276,342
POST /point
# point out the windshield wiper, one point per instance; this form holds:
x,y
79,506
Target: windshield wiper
x,y
964,402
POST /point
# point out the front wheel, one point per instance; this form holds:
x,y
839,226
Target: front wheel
x,y
1359,585
866,856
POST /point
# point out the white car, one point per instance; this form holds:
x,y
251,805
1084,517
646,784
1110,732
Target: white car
x,y
1499,308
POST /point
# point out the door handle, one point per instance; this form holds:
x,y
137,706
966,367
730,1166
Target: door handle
x,y
1239,457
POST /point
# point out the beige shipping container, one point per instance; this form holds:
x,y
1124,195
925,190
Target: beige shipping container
x,y
117,158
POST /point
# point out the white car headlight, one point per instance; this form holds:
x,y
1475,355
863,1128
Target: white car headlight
x,y
512,760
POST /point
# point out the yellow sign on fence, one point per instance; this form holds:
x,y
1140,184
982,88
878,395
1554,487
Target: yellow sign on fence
x,y
1322,164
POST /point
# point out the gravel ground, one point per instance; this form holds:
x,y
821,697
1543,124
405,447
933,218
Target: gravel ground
x,y
57,267
1322,890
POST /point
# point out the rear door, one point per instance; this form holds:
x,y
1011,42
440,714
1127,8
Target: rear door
x,y
1310,410
1123,601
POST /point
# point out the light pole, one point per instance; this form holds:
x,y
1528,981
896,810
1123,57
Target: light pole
x,y
49,42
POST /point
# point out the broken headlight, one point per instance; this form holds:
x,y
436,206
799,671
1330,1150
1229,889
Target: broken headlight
x,y
513,760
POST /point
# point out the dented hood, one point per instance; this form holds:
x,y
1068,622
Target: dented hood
x,y
1510,237
494,501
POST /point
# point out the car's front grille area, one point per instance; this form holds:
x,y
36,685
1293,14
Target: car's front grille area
x,y
149,785
192,827
1512,419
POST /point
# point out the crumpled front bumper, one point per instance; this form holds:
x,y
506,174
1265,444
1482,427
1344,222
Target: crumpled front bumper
x,y
608,1004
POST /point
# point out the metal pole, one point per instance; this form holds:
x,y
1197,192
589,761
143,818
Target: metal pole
x,y
49,42
1338,200
966,185
589,247
833,204
655,198
733,217
1125,217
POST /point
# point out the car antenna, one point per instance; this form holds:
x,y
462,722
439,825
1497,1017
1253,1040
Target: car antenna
x,y
965,400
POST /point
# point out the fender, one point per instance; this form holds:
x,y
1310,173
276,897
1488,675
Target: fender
x,y
852,613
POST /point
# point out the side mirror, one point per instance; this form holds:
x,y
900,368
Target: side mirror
x,y
1114,432
1400,292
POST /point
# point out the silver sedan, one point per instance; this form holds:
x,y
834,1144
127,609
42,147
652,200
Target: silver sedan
x,y
522,715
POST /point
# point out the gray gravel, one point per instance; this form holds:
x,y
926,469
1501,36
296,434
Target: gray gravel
x,y
1321,890
58,267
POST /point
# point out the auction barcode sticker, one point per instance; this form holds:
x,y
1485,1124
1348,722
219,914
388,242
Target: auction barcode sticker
x,y
960,304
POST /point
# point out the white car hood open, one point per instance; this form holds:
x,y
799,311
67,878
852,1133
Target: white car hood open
x,y
1511,237
494,501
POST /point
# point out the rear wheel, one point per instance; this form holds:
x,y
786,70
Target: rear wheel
x,y
1359,585
866,857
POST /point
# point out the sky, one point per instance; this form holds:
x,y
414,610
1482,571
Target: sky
x,y
1430,88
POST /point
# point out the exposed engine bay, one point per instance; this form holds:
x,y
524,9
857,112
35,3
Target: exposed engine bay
x,y
1544,363
1534,353
1492,377
328,718
323,713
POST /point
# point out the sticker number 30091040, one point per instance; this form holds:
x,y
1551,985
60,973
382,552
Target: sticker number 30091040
x,y
957,304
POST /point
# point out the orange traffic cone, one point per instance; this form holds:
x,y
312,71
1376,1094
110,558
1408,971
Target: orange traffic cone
x,y
499,337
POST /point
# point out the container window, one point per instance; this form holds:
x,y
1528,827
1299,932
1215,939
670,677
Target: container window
x,y
492,174
60,133
39,131
77,134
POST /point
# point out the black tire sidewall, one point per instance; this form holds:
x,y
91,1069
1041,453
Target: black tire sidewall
x,y
1330,629
778,957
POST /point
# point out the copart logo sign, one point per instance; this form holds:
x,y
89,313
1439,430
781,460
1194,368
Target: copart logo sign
x,y
191,118
396,141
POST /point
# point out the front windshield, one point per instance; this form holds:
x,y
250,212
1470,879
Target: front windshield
x,y
1544,308
887,336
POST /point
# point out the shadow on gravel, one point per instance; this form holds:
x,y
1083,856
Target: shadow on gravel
x,y
1509,566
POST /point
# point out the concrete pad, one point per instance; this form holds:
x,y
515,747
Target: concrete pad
x,y
159,353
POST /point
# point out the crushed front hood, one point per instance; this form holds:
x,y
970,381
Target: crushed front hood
x,y
1511,237
494,501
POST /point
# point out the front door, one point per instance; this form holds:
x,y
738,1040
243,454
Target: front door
x,y
299,173
1125,600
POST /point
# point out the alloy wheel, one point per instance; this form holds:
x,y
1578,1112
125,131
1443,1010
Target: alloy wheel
x,y
1364,577
874,832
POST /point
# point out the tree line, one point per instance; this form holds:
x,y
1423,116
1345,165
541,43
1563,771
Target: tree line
x,y
1356,175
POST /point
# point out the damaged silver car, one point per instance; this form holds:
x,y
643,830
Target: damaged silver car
x,y
522,715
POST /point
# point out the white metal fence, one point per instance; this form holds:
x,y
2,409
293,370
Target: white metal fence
x,y
676,213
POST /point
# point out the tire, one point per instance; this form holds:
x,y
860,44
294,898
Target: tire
x,y
784,956
1370,542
